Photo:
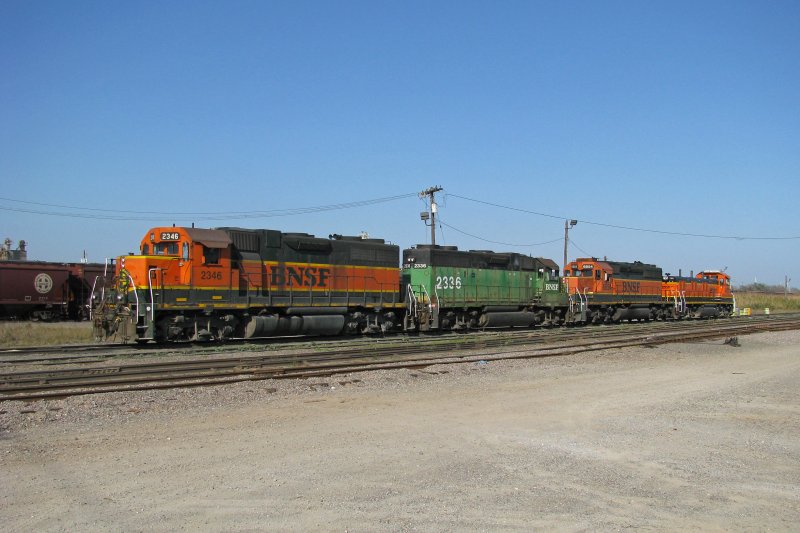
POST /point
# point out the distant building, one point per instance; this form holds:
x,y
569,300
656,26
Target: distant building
x,y
7,254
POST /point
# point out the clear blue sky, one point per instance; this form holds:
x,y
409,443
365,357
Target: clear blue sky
x,y
675,116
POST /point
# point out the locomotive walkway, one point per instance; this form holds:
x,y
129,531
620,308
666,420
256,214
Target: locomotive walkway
x,y
97,377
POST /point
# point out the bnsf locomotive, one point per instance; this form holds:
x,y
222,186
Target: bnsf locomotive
x,y
610,291
204,284
192,283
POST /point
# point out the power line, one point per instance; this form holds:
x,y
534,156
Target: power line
x,y
575,244
97,213
443,223
629,228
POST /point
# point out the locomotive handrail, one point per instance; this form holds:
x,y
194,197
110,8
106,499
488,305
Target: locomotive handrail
x,y
152,299
94,286
412,300
582,299
135,292
91,297
427,296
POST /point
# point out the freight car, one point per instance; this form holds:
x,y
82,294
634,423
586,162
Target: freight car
x,y
39,290
450,289
201,284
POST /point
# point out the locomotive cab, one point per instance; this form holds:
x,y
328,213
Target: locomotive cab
x,y
588,276
175,266
720,282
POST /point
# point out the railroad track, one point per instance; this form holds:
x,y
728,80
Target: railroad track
x,y
90,353
42,384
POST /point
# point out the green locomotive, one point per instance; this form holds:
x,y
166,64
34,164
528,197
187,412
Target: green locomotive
x,y
448,289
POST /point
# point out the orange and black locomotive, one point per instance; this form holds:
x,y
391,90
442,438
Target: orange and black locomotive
x,y
200,284
602,291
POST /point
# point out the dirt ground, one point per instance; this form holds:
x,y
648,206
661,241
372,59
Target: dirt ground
x,y
683,436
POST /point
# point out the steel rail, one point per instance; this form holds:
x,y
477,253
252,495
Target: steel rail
x,y
421,341
47,355
44,384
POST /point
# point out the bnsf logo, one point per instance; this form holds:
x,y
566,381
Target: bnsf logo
x,y
551,286
630,286
300,276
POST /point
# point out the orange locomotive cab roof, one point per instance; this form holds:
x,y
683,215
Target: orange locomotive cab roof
x,y
211,238
712,274
579,263
716,275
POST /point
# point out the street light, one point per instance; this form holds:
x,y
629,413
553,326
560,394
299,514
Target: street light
x,y
567,225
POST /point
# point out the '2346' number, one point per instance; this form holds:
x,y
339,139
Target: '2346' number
x,y
444,282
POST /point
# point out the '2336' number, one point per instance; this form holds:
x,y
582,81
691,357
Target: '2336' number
x,y
444,282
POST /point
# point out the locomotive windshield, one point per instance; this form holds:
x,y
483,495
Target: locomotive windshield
x,y
165,248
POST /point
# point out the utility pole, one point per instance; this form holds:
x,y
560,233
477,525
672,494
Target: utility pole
x,y
786,280
424,216
567,225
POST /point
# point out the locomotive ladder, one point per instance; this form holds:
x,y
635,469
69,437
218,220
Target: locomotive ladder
x,y
414,305
411,298
583,303
680,302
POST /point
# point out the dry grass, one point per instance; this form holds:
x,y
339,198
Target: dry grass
x,y
20,334
757,301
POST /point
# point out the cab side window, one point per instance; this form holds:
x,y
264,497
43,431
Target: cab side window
x,y
145,249
211,255
185,253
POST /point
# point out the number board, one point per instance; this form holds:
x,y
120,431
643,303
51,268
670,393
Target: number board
x,y
170,236
443,282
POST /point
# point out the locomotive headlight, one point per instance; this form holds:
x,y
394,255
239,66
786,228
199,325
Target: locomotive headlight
x,y
119,297
148,308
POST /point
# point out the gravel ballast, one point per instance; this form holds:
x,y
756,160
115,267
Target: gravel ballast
x,y
678,436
